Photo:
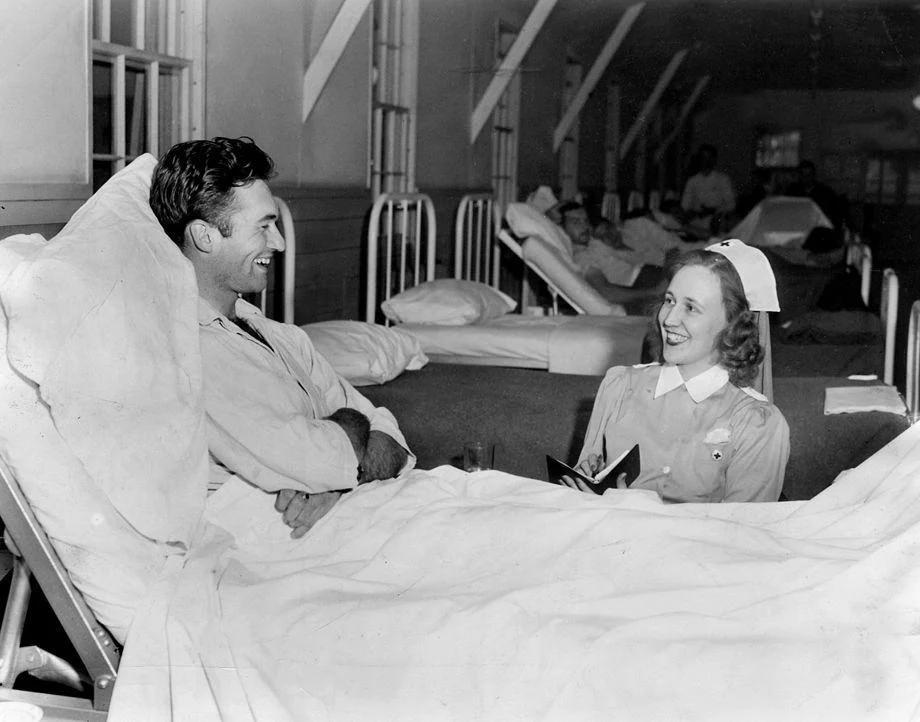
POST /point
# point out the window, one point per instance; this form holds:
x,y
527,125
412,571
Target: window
x,y
395,57
568,151
147,81
505,122
778,150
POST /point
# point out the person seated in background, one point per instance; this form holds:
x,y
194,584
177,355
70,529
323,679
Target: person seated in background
x,y
808,186
279,416
704,435
708,194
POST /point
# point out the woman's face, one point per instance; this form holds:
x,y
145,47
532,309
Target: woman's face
x,y
690,318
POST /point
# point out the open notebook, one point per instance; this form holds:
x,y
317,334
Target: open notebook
x,y
626,463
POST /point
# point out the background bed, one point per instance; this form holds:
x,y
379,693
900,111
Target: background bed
x,y
401,254
528,415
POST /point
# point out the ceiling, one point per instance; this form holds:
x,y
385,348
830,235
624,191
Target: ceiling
x,y
749,45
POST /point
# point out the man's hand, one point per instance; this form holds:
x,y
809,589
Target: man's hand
x,y
301,511
383,459
356,427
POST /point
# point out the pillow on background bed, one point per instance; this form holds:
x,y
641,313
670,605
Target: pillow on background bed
x,y
365,353
448,302
526,221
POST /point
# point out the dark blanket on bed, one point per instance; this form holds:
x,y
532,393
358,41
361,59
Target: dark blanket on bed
x,y
527,414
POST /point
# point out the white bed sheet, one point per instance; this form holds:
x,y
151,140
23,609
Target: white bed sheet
x,y
780,221
453,596
561,344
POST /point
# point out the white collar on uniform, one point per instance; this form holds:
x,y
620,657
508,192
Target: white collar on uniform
x,y
700,387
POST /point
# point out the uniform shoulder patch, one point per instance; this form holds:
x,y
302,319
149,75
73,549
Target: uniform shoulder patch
x,y
754,394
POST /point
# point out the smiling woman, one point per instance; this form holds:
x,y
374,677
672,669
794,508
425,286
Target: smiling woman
x,y
703,434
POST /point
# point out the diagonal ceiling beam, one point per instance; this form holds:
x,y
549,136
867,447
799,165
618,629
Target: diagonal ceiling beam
x,y
330,50
597,70
509,65
652,100
682,118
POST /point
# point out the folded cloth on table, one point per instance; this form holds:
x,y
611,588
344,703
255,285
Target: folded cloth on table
x,y
853,399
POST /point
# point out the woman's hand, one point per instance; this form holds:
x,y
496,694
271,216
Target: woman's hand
x,y
589,466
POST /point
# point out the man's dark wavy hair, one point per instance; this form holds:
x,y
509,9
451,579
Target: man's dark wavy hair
x,y
194,180
740,352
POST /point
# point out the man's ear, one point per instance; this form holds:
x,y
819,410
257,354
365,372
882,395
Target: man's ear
x,y
198,233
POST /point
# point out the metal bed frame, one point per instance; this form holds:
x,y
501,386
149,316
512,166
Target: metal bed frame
x,y
289,264
476,253
888,312
408,218
29,554
911,387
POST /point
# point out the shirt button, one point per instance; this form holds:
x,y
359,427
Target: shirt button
x,y
665,469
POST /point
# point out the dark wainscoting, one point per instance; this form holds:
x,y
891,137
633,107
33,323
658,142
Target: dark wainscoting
x,y
331,227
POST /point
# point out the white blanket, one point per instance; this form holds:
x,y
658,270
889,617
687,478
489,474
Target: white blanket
x,y
444,595
780,221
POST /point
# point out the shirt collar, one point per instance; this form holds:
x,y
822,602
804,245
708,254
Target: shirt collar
x,y
700,387
207,314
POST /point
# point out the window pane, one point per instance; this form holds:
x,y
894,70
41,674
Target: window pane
x,y
135,111
123,22
168,121
889,182
873,178
102,107
152,25
102,171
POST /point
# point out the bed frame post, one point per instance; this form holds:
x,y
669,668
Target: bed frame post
x,y
911,389
888,311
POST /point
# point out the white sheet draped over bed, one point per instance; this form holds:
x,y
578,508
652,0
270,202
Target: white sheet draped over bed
x,y
444,595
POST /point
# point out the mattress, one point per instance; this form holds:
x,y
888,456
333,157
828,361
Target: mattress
x,y
560,344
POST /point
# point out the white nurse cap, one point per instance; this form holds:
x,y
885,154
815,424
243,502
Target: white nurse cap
x,y
754,269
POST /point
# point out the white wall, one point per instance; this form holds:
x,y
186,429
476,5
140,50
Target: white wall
x,y
44,86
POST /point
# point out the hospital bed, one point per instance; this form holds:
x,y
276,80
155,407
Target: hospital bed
x,y
401,256
438,595
846,338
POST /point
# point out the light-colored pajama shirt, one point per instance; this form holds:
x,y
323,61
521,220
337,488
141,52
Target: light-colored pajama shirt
x,y
265,406
705,440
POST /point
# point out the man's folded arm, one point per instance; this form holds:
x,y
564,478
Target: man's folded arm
x,y
383,459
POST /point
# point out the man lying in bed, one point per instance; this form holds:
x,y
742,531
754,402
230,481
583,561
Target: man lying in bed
x,y
617,272
279,416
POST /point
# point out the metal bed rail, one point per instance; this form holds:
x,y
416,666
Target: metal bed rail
x,y
888,312
476,252
32,554
405,221
289,259
911,388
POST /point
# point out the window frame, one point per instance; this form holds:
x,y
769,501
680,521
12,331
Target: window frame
x,y
178,29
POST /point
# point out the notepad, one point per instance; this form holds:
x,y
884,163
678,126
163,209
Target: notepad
x,y
626,463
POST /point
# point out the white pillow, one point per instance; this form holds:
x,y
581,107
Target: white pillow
x,y
526,221
569,282
365,353
448,302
